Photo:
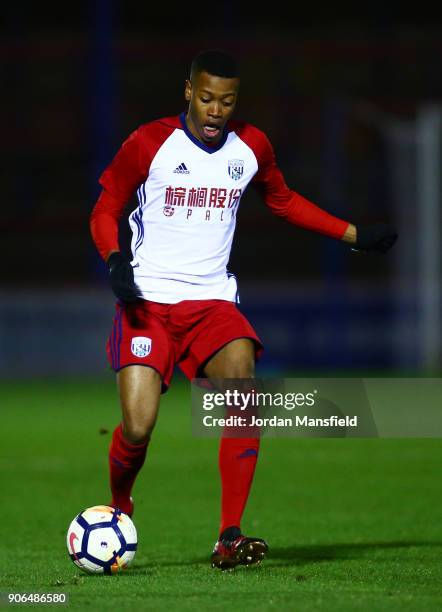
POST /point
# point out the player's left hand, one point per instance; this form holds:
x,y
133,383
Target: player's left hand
x,y
380,237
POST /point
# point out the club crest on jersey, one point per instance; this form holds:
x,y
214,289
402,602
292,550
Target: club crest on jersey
x,y
236,168
168,211
141,346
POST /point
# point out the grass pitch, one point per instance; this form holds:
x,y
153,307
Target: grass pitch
x,y
352,524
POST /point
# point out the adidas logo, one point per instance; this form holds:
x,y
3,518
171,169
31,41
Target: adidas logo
x,y
181,169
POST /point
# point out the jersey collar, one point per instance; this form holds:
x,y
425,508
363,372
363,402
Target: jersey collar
x,y
200,144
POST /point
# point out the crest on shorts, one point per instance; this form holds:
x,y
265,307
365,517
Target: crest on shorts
x,y
141,346
236,168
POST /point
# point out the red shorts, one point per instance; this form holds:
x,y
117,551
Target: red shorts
x,y
187,333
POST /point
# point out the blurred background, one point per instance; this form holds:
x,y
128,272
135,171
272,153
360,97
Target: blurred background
x,y
353,107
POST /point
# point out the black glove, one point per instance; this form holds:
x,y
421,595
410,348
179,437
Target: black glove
x,y
380,237
121,276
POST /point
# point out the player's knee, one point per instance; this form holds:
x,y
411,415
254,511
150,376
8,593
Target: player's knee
x,y
138,433
240,366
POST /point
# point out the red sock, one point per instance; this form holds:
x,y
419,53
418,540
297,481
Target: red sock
x,y
125,461
237,462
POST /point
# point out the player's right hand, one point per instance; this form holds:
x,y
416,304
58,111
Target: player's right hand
x,y
121,276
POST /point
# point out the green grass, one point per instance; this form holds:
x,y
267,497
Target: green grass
x,y
352,524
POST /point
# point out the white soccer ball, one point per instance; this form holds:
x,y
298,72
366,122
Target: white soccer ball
x,y
102,540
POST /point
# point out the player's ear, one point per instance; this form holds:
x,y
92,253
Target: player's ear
x,y
188,90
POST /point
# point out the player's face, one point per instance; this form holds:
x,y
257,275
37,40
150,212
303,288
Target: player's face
x,y
212,100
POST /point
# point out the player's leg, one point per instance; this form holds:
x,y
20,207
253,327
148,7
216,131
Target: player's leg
x,y
237,460
141,353
237,456
140,390
218,342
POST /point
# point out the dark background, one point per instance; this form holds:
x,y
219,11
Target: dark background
x,y
78,78
76,83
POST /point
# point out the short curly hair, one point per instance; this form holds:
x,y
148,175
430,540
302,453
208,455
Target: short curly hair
x,y
216,62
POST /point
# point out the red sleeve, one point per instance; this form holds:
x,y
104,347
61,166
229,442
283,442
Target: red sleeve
x,y
129,168
104,223
281,200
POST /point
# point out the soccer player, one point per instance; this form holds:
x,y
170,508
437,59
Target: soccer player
x,y
176,301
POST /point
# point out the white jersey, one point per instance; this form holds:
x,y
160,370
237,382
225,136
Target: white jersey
x,y
184,225
189,193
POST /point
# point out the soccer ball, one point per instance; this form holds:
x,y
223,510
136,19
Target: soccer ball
x,y
102,540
